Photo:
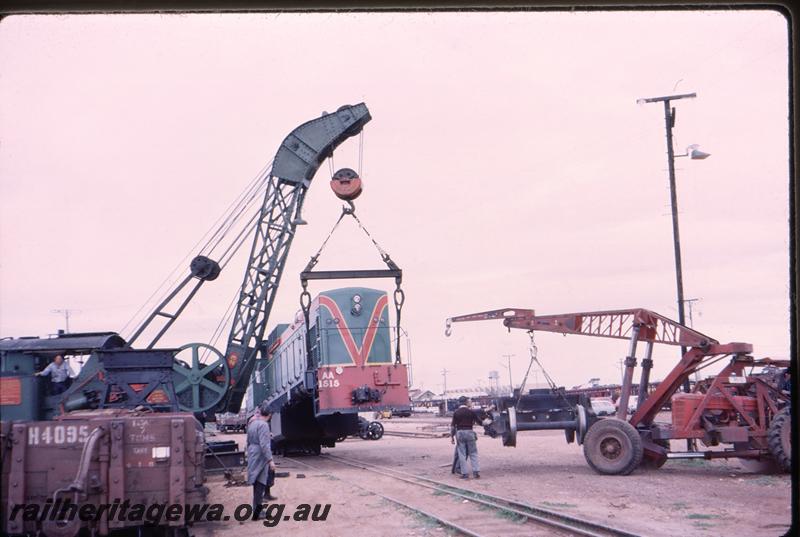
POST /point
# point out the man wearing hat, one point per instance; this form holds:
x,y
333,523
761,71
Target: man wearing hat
x,y
465,438
260,466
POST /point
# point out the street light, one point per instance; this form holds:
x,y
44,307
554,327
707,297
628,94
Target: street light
x,y
695,154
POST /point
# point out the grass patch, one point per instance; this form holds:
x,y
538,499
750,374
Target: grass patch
x,y
700,516
424,520
559,505
439,492
702,525
680,505
502,513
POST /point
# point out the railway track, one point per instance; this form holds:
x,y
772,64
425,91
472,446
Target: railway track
x,y
514,518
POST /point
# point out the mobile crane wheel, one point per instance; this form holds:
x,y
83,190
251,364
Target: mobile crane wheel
x,y
780,438
613,447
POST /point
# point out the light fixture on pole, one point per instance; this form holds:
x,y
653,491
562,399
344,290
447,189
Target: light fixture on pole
x,y
694,153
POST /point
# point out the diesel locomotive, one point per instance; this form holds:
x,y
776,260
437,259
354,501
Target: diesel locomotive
x,y
317,378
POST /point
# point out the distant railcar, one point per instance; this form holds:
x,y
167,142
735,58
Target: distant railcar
x,y
316,393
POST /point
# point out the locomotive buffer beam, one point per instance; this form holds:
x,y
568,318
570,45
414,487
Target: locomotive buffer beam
x,y
350,274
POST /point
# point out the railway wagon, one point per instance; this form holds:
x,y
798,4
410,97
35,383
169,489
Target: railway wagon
x,y
316,395
57,474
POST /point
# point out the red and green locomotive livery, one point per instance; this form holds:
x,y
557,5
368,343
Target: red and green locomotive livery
x,y
317,380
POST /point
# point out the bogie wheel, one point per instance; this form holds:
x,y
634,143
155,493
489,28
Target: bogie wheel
x,y
613,447
779,436
375,431
363,428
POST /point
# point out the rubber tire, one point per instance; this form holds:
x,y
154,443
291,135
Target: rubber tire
x,y
779,436
610,433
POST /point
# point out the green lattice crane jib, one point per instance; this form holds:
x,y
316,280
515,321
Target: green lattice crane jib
x,y
295,165
221,382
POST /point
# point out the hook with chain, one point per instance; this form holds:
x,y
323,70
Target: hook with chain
x,y
305,305
399,298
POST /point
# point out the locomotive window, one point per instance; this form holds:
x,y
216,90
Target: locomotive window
x,y
276,370
278,375
298,362
285,357
271,380
290,358
313,338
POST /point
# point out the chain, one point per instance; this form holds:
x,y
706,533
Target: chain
x,y
399,298
315,257
534,352
305,304
399,295
384,255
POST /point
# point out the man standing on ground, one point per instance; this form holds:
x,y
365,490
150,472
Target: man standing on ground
x,y
463,420
259,457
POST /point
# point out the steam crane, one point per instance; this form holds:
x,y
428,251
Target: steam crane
x,y
747,411
220,383
123,422
119,375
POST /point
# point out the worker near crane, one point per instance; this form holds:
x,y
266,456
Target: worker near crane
x,y
465,438
260,466
58,371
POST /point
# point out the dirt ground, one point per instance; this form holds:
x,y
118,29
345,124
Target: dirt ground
x,y
684,497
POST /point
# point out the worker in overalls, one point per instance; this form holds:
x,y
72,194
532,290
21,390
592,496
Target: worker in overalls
x,y
260,466
465,438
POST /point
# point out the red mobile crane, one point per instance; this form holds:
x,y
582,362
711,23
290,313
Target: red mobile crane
x,y
748,412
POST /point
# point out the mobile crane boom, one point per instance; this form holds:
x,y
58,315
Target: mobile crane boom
x,y
636,324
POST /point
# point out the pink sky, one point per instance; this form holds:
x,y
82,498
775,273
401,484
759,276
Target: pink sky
x,y
507,164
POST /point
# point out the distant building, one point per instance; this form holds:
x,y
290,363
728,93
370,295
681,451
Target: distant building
x,y
421,396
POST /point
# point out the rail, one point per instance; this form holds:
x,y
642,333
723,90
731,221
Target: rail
x,y
552,520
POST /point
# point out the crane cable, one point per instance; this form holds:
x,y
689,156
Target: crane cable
x,y
228,218
399,294
534,351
